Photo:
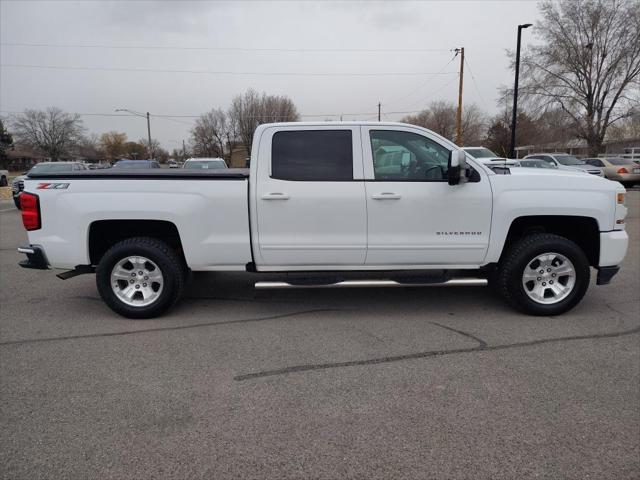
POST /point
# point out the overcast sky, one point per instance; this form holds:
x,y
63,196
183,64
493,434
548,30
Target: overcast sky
x,y
402,43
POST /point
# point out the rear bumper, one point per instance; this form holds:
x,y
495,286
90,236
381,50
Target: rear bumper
x,y
605,274
36,258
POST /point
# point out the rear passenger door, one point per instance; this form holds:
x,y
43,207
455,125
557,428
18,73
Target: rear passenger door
x,y
310,198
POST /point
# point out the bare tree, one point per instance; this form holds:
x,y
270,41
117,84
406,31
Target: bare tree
x,y
252,109
51,131
112,144
135,150
441,118
209,134
627,129
6,141
154,150
588,64
88,148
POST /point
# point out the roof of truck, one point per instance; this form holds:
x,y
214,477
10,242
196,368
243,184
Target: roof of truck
x,y
337,123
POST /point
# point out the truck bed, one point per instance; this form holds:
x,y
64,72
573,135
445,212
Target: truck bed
x,y
148,173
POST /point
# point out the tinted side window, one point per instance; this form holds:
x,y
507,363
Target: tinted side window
x,y
406,156
312,155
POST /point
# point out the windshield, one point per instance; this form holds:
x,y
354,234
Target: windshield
x,y
132,164
536,164
51,167
206,164
568,160
620,161
480,152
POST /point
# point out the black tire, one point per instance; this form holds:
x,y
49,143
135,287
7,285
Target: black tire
x,y
521,253
167,260
3,181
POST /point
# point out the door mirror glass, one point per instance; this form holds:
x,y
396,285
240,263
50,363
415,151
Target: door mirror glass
x,y
457,167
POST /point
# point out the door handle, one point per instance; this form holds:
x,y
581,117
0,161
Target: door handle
x,y
387,196
275,196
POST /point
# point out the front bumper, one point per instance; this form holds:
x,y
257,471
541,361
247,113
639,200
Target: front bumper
x,y
613,248
36,258
605,274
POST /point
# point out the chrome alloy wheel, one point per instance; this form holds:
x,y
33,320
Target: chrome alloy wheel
x,y
137,281
549,278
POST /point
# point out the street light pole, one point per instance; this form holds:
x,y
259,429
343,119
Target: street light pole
x,y
512,150
138,114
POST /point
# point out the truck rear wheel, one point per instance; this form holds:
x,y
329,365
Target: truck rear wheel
x,y
543,274
140,277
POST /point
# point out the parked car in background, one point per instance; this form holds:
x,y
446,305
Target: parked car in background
x,y
17,185
205,163
173,164
533,163
623,170
490,159
4,178
482,153
565,161
135,164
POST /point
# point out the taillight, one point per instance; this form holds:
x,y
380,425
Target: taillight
x,y
30,206
623,170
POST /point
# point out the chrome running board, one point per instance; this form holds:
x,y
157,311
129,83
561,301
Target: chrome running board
x,y
455,282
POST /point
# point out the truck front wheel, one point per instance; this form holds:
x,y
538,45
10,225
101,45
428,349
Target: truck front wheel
x,y
140,277
543,274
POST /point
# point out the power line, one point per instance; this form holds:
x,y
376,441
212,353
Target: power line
x,y
230,49
169,116
210,72
422,85
473,78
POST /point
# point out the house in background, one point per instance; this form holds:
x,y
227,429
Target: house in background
x,y
21,159
239,157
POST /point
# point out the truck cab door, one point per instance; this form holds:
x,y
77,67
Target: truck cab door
x,y
310,206
415,218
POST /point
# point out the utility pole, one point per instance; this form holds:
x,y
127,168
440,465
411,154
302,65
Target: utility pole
x,y
459,112
149,132
379,105
138,114
512,150
184,154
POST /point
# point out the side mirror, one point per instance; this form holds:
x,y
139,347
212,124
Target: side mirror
x,y
457,167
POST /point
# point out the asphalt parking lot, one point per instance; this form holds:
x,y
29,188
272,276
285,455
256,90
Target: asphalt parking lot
x,y
352,383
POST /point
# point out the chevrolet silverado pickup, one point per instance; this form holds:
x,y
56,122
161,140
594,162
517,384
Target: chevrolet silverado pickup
x,y
376,198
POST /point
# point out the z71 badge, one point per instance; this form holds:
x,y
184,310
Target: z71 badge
x,y
52,186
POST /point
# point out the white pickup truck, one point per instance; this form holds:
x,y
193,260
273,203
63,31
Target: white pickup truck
x,y
379,198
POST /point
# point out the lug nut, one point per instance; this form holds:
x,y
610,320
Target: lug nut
x,y
548,269
541,271
131,281
553,274
539,278
140,272
550,282
144,284
133,274
146,278
137,286
544,284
